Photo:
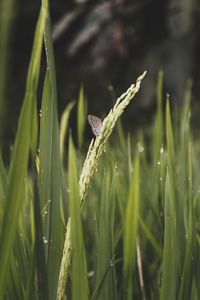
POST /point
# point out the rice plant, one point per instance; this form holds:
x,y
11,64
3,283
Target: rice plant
x,y
118,222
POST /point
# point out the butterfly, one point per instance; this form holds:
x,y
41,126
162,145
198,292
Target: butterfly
x,y
95,123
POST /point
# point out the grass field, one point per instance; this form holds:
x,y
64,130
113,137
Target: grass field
x,y
120,221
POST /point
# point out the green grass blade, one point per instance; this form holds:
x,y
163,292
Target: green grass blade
x,y
158,125
169,276
131,228
6,19
63,127
81,117
170,138
54,253
105,263
79,267
50,184
39,252
3,184
187,275
18,169
121,136
183,156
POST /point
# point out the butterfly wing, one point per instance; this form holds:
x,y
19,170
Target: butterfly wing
x,y
95,123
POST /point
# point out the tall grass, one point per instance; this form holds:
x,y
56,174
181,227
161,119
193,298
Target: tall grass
x,y
133,205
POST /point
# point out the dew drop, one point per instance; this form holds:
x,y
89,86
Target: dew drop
x,y
45,241
141,149
91,273
112,262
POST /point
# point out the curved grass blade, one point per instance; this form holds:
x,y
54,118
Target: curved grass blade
x,y
79,267
63,127
54,253
19,163
42,278
50,184
131,228
190,257
169,277
106,241
81,117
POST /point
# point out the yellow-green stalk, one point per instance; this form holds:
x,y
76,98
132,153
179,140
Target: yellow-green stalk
x,y
95,150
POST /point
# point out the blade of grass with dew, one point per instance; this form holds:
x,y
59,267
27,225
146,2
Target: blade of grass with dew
x,y
158,125
183,155
178,210
79,267
45,156
50,184
19,163
105,245
81,117
41,266
94,152
63,127
54,254
170,138
131,228
169,276
158,132
189,263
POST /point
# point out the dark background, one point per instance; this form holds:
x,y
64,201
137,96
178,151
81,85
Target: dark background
x,y
105,46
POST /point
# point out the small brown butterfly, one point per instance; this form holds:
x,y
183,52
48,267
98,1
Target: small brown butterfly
x,y
95,123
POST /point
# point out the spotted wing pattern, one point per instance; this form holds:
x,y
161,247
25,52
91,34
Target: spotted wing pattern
x,y
95,123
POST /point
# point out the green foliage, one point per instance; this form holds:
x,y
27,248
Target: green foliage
x,y
6,20
81,117
79,267
133,227
18,168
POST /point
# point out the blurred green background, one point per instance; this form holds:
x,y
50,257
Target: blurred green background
x,y
104,46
